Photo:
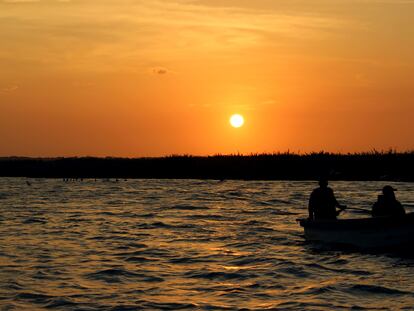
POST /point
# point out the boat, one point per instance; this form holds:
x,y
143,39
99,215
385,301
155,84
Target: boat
x,y
364,233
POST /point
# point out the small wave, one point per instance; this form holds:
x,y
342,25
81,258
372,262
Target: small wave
x,y
222,276
169,306
253,223
34,298
126,308
299,305
338,262
162,225
6,255
108,213
189,260
342,270
140,259
154,225
243,245
134,245
112,272
376,289
150,252
249,260
256,230
283,213
119,275
237,194
76,219
296,271
14,286
115,202
237,292
60,303
317,290
33,220
210,217
274,201
42,276
149,215
188,207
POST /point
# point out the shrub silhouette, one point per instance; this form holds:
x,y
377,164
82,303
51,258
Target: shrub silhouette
x,y
372,165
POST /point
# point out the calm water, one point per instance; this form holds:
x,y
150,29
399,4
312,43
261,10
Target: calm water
x,y
187,245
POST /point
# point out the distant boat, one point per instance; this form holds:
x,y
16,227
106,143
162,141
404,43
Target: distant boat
x,y
364,233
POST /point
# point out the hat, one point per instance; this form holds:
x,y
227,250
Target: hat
x,y
323,181
388,188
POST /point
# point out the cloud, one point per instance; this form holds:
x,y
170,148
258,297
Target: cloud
x,y
29,1
8,89
127,35
269,102
19,1
159,70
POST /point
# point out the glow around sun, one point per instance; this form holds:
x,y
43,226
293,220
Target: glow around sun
x,y
236,120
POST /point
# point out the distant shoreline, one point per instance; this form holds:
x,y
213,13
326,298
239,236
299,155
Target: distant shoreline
x,y
389,166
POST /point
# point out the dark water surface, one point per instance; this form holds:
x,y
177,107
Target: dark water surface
x,y
185,245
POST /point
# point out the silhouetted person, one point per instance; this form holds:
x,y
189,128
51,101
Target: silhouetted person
x,y
387,205
322,202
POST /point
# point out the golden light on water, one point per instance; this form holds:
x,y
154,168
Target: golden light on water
x,y
237,120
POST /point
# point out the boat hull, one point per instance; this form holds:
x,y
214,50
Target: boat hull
x,y
369,233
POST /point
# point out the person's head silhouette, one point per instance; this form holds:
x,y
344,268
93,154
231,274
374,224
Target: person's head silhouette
x,y
323,182
388,191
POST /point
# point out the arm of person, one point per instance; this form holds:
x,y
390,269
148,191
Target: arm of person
x,y
311,213
375,210
310,208
337,204
401,209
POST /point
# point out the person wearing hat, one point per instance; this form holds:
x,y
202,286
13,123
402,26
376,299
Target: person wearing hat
x,y
322,202
387,205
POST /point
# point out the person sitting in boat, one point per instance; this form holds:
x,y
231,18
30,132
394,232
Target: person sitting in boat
x,y
322,202
387,205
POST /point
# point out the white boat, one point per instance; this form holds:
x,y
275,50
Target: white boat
x,y
366,233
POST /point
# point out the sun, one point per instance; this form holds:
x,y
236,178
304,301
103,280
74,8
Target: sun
x,y
236,120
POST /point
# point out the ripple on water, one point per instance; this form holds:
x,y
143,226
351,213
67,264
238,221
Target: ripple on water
x,y
169,306
163,225
339,270
35,220
378,290
119,275
185,245
187,207
61,303
34,297
210,217
294,270
193,260
220,275
138,259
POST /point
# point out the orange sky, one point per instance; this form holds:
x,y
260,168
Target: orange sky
x,y
151,78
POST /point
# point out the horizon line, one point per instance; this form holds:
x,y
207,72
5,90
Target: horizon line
x,y
252,154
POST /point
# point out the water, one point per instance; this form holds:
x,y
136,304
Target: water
x,y
185,245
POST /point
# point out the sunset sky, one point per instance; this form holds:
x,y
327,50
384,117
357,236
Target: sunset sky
x,y
151,78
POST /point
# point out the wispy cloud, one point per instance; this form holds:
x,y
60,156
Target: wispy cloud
x,y
159,71
112,34
8,89
31,1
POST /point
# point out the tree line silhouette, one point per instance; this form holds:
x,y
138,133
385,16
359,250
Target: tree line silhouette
x,y
372,165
